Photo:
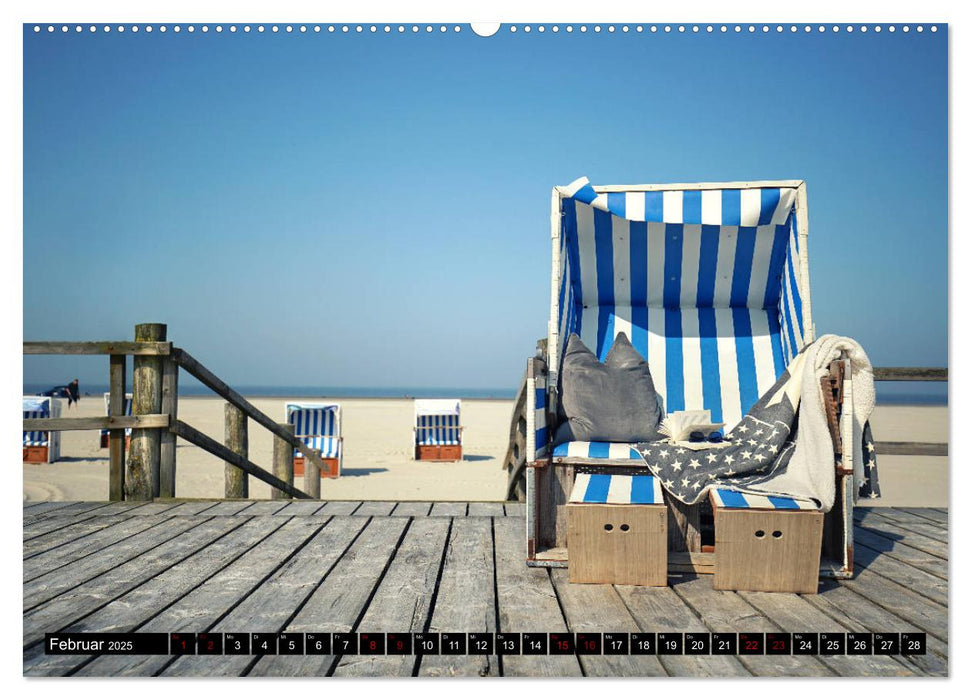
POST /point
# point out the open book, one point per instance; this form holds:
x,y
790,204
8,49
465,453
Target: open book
x,y
679,425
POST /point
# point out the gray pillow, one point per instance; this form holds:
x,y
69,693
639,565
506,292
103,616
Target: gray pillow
x,y
613,401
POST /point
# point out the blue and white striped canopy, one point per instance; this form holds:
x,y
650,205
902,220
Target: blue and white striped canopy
x,y
36,407
708,284
616,489
438,422
317,425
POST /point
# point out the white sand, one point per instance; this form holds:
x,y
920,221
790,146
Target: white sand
x,y
378,462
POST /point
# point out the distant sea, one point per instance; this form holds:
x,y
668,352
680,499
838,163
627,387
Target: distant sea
x,y
194,389
888,393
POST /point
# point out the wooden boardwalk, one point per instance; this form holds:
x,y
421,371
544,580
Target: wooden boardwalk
x,y
304,566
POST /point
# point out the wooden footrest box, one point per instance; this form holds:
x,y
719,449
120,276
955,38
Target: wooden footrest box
x,y
35,455
617,530
765,543
438,453
332,472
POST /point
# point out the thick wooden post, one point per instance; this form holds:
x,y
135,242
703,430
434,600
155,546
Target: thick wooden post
x,y
142,473
282,461
237,440
170,405
116,438
311,479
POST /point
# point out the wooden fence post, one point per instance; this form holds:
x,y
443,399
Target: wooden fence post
x,y
282,461
142,473
311,479
170,405
237,440
116,438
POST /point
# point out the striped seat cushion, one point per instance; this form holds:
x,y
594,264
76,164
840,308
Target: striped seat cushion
x,y
618,489
329,446
727,498
596,450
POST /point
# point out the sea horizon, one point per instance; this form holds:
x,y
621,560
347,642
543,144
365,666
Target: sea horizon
x,y
888,394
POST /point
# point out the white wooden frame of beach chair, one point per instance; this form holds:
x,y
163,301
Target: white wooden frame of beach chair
x,y
630,258
42,446
128,411
438,430
317,425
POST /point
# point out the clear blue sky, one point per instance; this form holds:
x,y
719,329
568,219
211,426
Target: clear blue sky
x,y
373,210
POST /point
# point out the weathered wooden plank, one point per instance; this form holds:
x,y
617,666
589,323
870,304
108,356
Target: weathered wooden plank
x,y
600,609
96,347
263,508
861,615
79,600
919,611
527,603
202,607
515,510
375,508
910,374
493,509
933,514
71,563
117,377
141,603
870,546
791,612
41,524
338,604
192,508
726,611
301,508
144,456
900,533
229,508
45,507
407,508
167,449
466,599
283,461
905,521
404,598
928,449
661,610
276,600
452,509
339,507
69,533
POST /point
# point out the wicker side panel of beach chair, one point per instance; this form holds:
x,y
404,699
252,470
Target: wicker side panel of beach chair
x,y
41,446
318,426
710,282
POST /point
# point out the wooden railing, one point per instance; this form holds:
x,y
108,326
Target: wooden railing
x,y
151,466
911,374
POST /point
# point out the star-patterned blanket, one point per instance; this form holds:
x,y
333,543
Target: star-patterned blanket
x,y
782,446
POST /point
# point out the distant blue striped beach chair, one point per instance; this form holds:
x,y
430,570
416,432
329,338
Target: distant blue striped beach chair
x,y
318,425
104,433
41,447
438,430
710,282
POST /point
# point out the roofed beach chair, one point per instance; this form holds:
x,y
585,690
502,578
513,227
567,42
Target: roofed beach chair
x,y
438,430
105,432
41,446
710,283
318,425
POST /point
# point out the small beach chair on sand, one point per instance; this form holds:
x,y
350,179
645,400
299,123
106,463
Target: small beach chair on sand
x,y
318,425
710,282
104,433
438,430
42,447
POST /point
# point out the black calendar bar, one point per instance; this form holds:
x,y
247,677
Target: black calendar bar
x,y
490,643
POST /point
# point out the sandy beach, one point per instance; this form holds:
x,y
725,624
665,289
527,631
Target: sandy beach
x,y
378,462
